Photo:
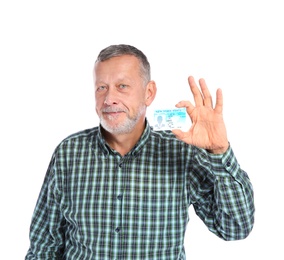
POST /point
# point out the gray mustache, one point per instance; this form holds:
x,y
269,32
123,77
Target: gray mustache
x,y
112,110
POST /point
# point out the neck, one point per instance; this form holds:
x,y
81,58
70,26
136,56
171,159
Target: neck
x,y
123,143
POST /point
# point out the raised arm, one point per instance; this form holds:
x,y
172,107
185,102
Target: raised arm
x,y
220,191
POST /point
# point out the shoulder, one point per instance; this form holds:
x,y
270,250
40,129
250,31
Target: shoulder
x,y
164,144
165,136
84,134
79,138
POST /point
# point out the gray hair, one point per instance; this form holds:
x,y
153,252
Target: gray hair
x,y
123,49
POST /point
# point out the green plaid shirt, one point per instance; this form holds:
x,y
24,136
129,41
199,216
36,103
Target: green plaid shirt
x,y
95,204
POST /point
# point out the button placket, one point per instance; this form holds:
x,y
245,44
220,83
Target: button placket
x,y
118,195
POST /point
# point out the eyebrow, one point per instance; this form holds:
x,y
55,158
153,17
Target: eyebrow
x,y
125,80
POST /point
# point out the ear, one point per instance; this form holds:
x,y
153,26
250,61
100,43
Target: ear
x,y
150,93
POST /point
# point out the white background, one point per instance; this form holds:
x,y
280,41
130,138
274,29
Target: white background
x,y
47,51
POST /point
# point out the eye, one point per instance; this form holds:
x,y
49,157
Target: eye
x,y
101,88
122,86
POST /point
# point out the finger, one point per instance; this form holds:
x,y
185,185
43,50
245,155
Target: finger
x,y
186,104
198,98
178,133
206,94
219,101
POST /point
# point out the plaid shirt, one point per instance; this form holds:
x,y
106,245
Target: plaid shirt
x,y
95,204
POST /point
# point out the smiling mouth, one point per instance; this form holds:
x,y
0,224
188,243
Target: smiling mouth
x,y
111,112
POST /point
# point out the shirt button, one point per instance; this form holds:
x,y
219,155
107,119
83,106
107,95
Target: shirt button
x,y
228,164
119,197
117,230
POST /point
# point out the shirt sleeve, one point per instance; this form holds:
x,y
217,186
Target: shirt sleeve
x,y
221,194
46,236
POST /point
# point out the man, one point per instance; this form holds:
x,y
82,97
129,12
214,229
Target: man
x,y
122,190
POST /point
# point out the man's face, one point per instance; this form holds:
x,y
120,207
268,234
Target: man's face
x,y
121,97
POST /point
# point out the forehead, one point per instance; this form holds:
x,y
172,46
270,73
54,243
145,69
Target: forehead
x,y
117,68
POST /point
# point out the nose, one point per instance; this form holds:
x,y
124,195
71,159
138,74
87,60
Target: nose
x,y
111,97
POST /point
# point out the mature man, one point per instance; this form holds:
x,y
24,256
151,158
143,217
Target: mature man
x,y
122,190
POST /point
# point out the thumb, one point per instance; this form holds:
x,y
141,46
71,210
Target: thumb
x,y
178,133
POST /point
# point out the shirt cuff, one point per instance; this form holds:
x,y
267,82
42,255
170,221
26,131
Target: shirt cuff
x,y
224,164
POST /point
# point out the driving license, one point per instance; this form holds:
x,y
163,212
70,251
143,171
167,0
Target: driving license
x,y
168,119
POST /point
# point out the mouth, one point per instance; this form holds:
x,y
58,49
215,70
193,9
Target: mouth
x,y
112,112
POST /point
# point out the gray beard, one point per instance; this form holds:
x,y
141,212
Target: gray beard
x,y
125,127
